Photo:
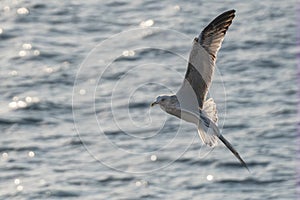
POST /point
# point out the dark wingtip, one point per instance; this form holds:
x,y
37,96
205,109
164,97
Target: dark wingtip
x,y
229,11
216,29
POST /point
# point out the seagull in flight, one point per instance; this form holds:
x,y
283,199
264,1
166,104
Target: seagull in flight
x,y
190,102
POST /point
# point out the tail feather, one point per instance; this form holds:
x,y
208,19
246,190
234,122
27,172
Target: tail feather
x,y
210,132
208,138
235,153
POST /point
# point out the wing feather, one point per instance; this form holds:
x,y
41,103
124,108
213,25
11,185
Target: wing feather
x,y
212,36
201,64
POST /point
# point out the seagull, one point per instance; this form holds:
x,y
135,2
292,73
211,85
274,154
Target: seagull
x,y
190,103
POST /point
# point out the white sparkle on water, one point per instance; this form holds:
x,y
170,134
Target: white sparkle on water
x,y
141,183
6,8
17,181
138,183
22,53
153,157
4,155
13,73
27,46
23,11
209,177
36,52
147,23
127,53
20,188
21,104
28,99
82,92
49,70
31,154
177,7
13,105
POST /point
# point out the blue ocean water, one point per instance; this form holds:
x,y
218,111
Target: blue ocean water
x,y
78,78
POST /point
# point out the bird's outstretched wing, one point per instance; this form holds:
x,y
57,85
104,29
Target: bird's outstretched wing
x,y
212,36
202,61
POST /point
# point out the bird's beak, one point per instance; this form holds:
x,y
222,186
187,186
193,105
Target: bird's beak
x,y
153,104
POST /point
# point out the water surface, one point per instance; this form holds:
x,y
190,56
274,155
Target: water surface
x,y
75,117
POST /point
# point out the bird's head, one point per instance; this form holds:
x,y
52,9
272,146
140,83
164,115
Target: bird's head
x,y
165,101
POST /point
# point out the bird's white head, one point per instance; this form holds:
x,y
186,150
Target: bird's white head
x,y
165,101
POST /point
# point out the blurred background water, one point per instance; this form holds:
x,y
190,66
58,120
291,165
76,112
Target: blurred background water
x,y
75,93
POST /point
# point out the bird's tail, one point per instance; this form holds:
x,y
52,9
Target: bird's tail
x,y
235,153
209,133
208,138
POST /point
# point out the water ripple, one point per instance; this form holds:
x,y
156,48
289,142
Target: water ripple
x,y
250,181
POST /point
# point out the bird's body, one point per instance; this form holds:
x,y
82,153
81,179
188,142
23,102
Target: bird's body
x,y
190,103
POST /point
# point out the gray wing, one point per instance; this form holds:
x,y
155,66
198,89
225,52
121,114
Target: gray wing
x,y
202,61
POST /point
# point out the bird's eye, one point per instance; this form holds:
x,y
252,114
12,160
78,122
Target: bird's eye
x,y
163,100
